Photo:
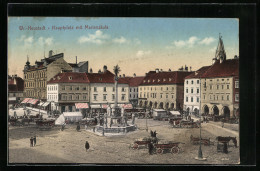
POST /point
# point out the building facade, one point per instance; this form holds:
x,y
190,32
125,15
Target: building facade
x,y
192,91
66,89
220,85
15,89
36,76
162,90
102,88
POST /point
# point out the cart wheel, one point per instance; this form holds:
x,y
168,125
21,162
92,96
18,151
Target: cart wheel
x,y
159,151
135,146
175,150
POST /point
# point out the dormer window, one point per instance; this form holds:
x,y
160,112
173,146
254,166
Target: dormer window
x,y
148,81
164,79
70,77
153,80
170,79
159,80
144,81
100,79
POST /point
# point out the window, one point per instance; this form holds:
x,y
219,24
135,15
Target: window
x,y
198,81
236,84
161,95
172,96
104,97
70,97
192,82
95,89
151,88
214,97
123,97
134,89
210,97
236,97
227,97
187,99
217,97
113,97
191,99
187,82
192,90
167,96
147,95
84,97
172,88
217,87
84,88
204,97
64,97
166,88
113,89
222,97
63,88
70,87
105,89
144,95
123,89
95,97
198,91
130,96
77,97
222,79
161,88
76,88
210,87
222,87
198,100
70,78
227,86
130,89
187,90
140,95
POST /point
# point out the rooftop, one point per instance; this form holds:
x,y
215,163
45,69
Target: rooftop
x,y
69,77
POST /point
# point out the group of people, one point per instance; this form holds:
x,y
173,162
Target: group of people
x,y
33,141
153,133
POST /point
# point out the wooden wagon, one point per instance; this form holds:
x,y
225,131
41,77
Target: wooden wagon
x,y
173,147
45,124
143,142
196,140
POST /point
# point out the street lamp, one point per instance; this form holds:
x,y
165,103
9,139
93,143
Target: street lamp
x,y
200,156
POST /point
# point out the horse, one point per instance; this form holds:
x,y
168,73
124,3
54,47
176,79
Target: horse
x,y
227,139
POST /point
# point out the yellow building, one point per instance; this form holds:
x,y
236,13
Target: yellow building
x,y
36,76
162,90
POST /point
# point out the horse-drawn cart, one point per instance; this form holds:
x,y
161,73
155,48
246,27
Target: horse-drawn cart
x,y
45,124
173,147
196,140
143,142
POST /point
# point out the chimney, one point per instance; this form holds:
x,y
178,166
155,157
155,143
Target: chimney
x,y
90,70
190,68
104,68
170,70
235,57
76,60
50,53
36,65
161,70
134,75
99,71
157,70
123,75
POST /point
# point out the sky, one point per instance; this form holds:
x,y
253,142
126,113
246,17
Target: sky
x,y
137,45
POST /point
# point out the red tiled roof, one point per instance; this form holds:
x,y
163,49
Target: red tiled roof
x,y
19,86
172,77
198,73
65,78
133,81
104,77
227,68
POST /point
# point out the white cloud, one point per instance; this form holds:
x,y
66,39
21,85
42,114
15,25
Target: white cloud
x,y
141,53
207,40
45,41
27,41
137,41
97,38
189,43
120,40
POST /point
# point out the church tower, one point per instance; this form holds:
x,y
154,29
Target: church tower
x,y
220,52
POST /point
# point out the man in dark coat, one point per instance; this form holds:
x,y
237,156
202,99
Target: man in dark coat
x,y
86,145
34,140
31,141
154,134
78,127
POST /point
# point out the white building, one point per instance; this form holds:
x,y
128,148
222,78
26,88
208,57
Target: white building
x,y
192,94
102,89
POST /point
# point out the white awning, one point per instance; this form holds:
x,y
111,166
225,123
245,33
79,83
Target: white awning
x,y
95,106
41,103
175,112
12,98
81,105
45,104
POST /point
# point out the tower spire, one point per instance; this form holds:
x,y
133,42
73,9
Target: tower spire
x,y
220,52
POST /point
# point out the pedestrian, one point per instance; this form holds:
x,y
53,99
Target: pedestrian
x,y
150,148
151,132
154,134
93,129
34,140
31,141
78,127
86,146
63,126
222,123
86,126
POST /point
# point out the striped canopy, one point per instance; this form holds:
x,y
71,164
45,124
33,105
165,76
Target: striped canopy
x,y
33,101
81,105
128,106
104,106
45,104
26,100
